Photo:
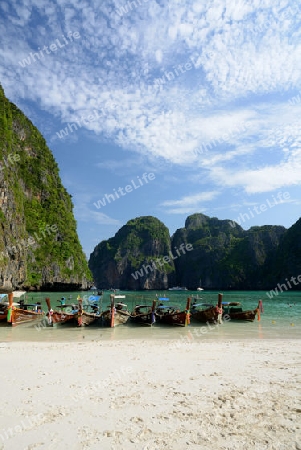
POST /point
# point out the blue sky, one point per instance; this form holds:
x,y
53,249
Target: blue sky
x,y
204,95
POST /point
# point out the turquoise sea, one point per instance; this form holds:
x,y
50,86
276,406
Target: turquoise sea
x,y
281,319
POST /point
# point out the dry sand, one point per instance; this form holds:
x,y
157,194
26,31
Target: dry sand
x,y
142,394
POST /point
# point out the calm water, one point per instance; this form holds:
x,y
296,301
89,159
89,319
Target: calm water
x,y
281,319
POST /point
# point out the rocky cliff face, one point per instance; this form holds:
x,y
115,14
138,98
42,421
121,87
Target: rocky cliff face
x,y
287,259
212,240
133,258
225,256
39,246
222,255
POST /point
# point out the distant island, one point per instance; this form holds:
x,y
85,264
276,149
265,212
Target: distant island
x,y
221,255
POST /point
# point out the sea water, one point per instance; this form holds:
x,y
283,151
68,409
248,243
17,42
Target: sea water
x,y
281,319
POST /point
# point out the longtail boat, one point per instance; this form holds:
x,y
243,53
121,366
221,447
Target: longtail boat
x,y
206,312
235,311
3,307
23,313
117,314
64,312
203,312
4,304
170,315
88,315
144,314
3,312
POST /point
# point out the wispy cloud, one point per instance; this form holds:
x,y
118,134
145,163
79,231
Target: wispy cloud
x,y
84,213
265,179
242,54
188,204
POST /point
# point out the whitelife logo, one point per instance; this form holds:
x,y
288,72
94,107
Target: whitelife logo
x,y
282,198
146,177
48,49
279,288
161,261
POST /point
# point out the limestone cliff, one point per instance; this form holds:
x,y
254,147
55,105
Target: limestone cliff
x,y
223,256
287,260
133,258
39,246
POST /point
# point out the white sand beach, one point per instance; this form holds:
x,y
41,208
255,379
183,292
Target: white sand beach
x,y
150,394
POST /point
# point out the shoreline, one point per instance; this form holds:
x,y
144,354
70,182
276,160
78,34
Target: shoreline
x,y
145,341
285,328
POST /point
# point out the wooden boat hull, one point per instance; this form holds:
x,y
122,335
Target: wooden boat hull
x,y
21,316
144,314
61,317
243,315
176,318
3,313
234,311
88,318
143,319
207,315
120,317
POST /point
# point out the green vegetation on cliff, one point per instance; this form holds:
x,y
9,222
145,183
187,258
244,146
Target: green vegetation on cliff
x,y
224,255
136,244
38,238
287,261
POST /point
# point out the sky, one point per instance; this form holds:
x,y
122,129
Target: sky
x,y
162,108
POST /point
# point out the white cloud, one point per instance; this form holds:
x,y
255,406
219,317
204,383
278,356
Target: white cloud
x,y
265,179
86,215
83,206
190,203
186,210
83,213
241,53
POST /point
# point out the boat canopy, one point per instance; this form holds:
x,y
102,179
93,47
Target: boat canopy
x,y
201,304
73,305
32,305
231,303
94,298
165,307
18,294
164,299
6,303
